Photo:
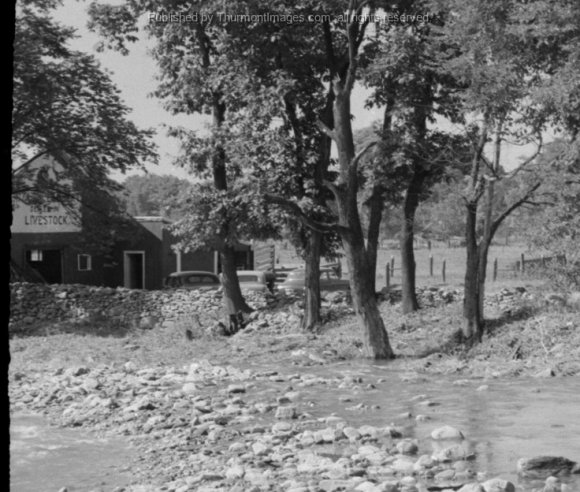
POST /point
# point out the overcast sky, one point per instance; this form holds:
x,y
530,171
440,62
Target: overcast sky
x,y
134,74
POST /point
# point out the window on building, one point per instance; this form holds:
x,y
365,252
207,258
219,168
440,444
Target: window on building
x,y
36,255
84,263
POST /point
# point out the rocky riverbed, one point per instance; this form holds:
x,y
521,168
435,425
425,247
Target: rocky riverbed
x,y
252,412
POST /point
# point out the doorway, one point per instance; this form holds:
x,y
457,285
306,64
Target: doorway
x,y
134,269
47,263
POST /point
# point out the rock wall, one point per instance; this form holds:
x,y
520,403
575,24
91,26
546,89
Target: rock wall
x,y
33,303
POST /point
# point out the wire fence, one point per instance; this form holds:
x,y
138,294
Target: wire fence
x,y
497,269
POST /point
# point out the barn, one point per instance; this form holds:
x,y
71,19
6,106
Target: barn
x,y
48,244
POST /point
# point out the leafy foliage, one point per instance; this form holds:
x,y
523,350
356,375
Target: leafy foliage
x,y
552,222
65,105
226,217
155,195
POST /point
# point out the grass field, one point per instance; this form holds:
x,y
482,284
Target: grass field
x,y
454,259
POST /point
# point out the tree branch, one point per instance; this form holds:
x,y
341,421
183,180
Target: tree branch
x,y
332,187
322,227
529,159
357,158
325,129
497,222
329,48
353,39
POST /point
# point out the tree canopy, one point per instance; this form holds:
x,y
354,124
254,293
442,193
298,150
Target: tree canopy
x,y
65,105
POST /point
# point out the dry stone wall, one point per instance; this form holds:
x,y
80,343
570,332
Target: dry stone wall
x,y
34,303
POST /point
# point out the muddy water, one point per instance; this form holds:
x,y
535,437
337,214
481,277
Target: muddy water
x,y
504,422
44,458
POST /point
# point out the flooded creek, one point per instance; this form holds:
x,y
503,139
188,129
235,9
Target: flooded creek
x,y
46,458
502,420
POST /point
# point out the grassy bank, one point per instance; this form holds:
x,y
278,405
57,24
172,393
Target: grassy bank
x,y
527,336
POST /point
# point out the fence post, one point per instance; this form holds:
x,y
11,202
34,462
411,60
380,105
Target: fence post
x,y
522,267
430,265
388,275
495,270
392,265
443,270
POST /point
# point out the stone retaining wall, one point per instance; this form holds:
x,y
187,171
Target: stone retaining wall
x,y
33,303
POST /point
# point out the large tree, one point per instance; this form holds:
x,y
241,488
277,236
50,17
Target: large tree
x,y
263,83
65,105
198,74
346,186
501,51
403,74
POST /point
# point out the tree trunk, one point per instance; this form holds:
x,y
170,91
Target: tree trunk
x,y
473,317
409,302
376,205
232,294
311,319
233,300
375,338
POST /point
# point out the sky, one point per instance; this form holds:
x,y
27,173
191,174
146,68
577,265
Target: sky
x,y
134,75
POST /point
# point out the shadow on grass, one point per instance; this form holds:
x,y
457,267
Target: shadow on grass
x,y
520,313
96,326
456,344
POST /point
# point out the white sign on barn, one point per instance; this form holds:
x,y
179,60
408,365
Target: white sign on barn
x,y
46,217
43,217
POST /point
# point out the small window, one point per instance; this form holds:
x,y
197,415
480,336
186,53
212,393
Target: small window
x,y
84,263
36,255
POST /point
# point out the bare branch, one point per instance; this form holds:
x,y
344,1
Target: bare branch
x,y
29,161
539,204
529,159
358,157
524,199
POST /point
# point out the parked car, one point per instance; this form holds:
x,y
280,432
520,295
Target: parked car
x,y
329,281
253,280
196,280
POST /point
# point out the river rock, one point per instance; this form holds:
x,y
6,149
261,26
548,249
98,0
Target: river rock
x,y
445,475
403,465
545,466
351,434
452,453
334,485
447,432
472,487
407,447
552,484
260,449
548,372
236,388
286,412
235,472
283,428
424,462
408,484
366,486
498,485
